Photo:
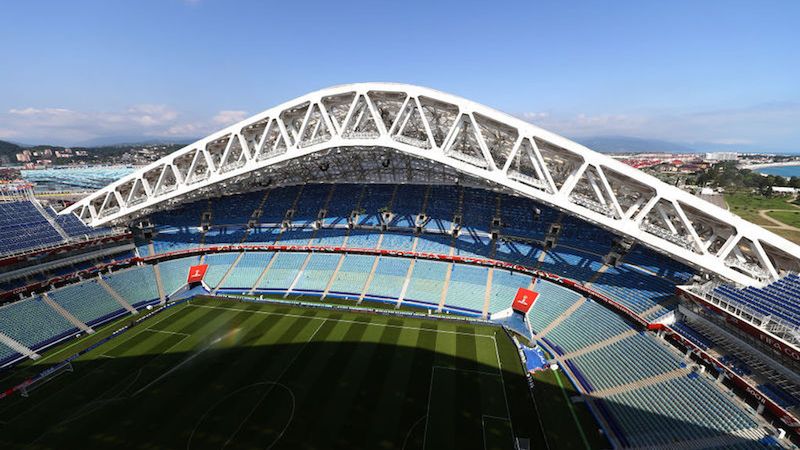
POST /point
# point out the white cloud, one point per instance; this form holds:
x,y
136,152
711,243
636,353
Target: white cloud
x,y
228,117
65,126
768,125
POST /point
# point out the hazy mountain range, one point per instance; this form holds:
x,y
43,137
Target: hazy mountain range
x,y
605,144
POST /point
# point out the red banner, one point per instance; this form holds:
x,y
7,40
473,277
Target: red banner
x,y
524,300
196,273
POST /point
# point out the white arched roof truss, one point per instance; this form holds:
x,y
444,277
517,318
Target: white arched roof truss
x,y
474,140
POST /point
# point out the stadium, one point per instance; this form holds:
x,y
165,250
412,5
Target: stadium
x,y
382,265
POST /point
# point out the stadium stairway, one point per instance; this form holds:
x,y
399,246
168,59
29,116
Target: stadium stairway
x,y
263,273
595,346
16,346
333,276
369,280
64,313
446,285
574,307
299,274
487,294
115,295
644,382
407,281
227,273
160,284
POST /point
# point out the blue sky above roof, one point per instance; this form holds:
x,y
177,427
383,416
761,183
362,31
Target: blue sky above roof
x,y
720,73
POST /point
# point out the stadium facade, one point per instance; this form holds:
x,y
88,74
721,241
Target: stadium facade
x,y
649,298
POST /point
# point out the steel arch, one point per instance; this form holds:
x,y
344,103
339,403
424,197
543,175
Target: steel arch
x,y
474,140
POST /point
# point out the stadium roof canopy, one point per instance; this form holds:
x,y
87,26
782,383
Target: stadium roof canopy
x,y
396,133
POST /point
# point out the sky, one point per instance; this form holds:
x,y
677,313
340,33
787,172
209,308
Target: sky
x,y
710,73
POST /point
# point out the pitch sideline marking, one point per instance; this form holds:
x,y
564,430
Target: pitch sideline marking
x,y
503,382
167,332
385,325
572,412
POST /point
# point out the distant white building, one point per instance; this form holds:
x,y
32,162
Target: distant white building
x,y
784,190
722,156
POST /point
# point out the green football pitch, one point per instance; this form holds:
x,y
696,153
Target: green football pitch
x,y
218,374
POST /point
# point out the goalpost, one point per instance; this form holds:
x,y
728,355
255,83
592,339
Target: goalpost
x,y
43,378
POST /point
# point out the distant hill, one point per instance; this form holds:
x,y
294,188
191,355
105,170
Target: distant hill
x,y
618,144
127,141
8,151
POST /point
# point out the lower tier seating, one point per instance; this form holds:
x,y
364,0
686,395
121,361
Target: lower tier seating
x,y
136,285
33,323
88,302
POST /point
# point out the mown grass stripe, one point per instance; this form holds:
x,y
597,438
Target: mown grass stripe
x,y
392,393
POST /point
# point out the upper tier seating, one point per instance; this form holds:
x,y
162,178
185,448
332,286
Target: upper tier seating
x,y
434,243
235,209
73,226
136,285
778,299
296,236
585,236
278,202
344,201
330,237
471,243
571,263
187,216
658,264
397,241
479,208
634,288
377,197
407,205
363,239
225,234
23,227
170,239
519,252
525,218
33,323
264,235
89,302
311,200
442,206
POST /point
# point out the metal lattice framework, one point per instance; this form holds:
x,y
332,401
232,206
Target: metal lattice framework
x,y
384,132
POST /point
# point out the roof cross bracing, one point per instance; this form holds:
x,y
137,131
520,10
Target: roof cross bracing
x,y
385,132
